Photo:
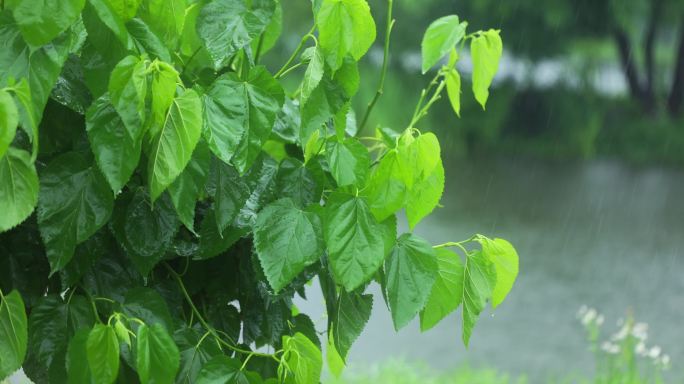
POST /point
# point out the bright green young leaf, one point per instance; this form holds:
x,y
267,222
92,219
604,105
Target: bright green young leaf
x,y
42,21
345,27
18,188
387,188
425,195
356,241
479,279
313,74
173,145
303,358
127,90
163,89
505,259
349,161
424,174
441,36
486,50
453,86
125,9
226,26
116,152
287,239
411,271
75,201
325,101
335,361
102,353
352,312
165,18
78,371
9,118
447,292
188,187
158,358
13,333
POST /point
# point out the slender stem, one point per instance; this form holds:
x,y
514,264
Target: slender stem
x,y
204,323
385,62
423,111
296,52
292,68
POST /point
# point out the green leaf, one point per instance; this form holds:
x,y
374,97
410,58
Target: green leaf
x,y
147,305
163,89
9,118
325,101
226,26
117,153
188,187
478,284
146,41
303,359
411,271
223,370
287,239
125,9
352,312
230,194
158,358
335,361
447,292
505,259
109,19
453,86
356,242
440,37
75,201
193,354
239,115
13,333
313,74
42,21
299,182
424,174
486,50
175,142
18,188
425,195
146,232
127,90
165,18
78,371
345,27
387,188
349,161
102,353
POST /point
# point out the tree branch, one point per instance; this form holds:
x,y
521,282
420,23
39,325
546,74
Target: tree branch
x,y
649,54
676,98
628,65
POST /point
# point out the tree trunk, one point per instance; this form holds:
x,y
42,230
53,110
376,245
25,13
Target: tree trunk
x,y
629,66
649,55
674,102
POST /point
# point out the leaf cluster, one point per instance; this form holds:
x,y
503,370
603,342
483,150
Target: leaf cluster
x,y
163,198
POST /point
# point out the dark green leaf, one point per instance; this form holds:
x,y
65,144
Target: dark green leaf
x,y
158,358
74,203
411,271
189,186
117,153
230,194
297,181
78,371
356,241
147,305
226,26
193,353
287,239
146,40
352,312
224,370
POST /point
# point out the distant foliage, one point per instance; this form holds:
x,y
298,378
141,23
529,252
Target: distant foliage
x,y
164,198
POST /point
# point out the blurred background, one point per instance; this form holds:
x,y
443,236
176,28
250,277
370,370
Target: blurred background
x,y
577,161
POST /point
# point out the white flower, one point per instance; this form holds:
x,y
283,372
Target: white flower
x,y
589,316
583,309
599,320
665,360
621,334
611,348
640,331
654,352
640,349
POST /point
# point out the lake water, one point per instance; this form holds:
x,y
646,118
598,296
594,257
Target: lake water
x,y
598,233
